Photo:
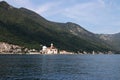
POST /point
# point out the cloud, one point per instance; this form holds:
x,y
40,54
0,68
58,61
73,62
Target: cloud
x,y
46,7
88,12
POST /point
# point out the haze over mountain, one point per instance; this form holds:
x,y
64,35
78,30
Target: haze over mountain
x,y
26,28
112,39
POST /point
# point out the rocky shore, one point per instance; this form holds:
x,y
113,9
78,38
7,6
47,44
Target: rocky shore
x,y
6,48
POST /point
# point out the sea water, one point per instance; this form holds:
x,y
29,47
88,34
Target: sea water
x,y
59,67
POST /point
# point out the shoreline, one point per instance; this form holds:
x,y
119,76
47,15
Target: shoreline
x,y
52,54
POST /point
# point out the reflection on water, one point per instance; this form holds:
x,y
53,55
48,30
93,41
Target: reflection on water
x,y
59,67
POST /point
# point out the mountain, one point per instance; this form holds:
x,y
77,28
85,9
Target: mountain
x,y
26,28
112,39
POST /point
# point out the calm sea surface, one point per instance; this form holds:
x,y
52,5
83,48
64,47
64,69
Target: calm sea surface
x,y
59,67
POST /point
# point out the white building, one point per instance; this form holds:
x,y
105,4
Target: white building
x,y
49,50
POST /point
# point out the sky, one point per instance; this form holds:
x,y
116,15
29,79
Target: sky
x,y
97,16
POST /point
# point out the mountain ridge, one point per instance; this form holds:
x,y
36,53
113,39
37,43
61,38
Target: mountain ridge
x,y
112,39
27,28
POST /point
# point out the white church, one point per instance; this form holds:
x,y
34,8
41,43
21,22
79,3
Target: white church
x,y
49,50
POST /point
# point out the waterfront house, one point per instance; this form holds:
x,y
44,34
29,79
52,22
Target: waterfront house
x,y
49,50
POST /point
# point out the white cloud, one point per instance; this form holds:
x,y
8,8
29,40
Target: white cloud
x,y
45,7
85,11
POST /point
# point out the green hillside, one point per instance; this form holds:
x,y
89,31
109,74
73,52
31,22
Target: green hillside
x,y
26,28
